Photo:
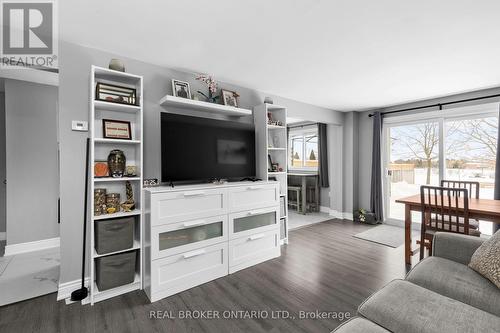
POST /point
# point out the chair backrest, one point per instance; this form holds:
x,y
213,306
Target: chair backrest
x,y
473,187
445,209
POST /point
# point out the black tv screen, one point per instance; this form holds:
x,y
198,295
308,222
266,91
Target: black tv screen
x,y
201,149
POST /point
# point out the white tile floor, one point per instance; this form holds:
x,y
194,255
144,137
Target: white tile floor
x,y
29,275
296,220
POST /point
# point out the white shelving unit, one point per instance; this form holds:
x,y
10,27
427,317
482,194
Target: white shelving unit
x,y
272,141
99,150
184,103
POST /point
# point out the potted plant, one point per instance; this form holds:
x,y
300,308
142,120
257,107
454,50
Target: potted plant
x,y
362,216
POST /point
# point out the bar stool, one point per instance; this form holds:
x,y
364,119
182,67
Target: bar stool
x,y
294,197
312,201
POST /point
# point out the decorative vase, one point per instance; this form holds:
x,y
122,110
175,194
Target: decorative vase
x,y
112,203
116,65
116,163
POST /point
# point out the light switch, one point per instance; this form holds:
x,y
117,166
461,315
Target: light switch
x,y
79,125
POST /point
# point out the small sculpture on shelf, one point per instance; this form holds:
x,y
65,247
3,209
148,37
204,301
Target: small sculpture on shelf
x,y
116,163
117,65
129,204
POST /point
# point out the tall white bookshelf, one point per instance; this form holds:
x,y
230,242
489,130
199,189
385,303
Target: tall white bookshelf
x,y
99,151
272,142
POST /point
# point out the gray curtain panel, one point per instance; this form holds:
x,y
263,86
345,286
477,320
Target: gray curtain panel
x,y
323,156
376,194
496,195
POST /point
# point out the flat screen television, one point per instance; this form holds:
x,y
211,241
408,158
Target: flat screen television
x,y
201,149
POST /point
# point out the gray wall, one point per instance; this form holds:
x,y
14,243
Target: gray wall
x,y
32,167
3,198
350,162
75,62
366,131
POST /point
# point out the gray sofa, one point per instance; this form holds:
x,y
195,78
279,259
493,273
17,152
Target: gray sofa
x,y
440,294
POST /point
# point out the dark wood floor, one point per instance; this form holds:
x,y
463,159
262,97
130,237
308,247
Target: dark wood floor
x,y
323,268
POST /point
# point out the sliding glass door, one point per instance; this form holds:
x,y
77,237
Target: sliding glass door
x,y
413,160
455,144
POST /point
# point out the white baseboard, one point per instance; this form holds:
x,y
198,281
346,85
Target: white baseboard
x,y
341,215
3,236
324,209
65,289
348,216
31,246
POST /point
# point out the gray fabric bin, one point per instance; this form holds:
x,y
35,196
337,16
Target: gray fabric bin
x,y
114,235
115,270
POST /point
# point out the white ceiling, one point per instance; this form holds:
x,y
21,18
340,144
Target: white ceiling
x,y
344,55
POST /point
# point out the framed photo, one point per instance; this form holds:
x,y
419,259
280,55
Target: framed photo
x,y
115,94
116,129
229,98
181,89
101,169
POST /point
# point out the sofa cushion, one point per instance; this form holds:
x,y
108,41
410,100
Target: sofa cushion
x,y
456,281
402,306
360,325
486,259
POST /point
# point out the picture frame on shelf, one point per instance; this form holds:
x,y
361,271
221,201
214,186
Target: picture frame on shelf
x,y
229,98
101,169
181,89
270,163
115,94
116,129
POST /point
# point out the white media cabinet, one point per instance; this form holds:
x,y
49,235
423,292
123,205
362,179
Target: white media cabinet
x,y
197,233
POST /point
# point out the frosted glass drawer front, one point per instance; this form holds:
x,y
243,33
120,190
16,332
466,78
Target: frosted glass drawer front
x,y
176,273
189,235
187,205
252,221
253,196
253,249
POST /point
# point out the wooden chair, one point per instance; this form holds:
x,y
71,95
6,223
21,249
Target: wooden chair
x,y
472,187
444,209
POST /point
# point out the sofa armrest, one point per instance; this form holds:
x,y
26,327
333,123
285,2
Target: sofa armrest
x,y
456,247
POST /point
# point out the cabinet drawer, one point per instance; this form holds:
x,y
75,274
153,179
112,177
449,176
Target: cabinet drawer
x,y
185,236
183,271
187,205
253,221
253,196
251,250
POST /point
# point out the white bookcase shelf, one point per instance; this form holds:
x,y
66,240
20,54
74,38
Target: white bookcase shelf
x,y
272,141
117,141
184,103
133,150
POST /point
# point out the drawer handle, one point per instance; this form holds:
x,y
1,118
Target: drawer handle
x,y
253,188
255,237
194,193
194,254
253,213
195,223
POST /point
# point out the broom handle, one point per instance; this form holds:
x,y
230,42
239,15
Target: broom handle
x,y
85,211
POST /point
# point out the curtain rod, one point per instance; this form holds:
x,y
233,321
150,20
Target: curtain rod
x,y
440,105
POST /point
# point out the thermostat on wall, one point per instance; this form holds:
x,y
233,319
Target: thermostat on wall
x,y
79,125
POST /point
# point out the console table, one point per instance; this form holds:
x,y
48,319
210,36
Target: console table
x,y
198,233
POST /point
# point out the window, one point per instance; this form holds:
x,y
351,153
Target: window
x,y
303,148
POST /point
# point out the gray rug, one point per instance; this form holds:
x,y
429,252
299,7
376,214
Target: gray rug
x,y
385,234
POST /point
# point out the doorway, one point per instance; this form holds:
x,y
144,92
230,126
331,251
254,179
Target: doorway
x,y
453,144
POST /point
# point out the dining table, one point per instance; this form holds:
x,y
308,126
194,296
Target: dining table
x,y
303,176
479,209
